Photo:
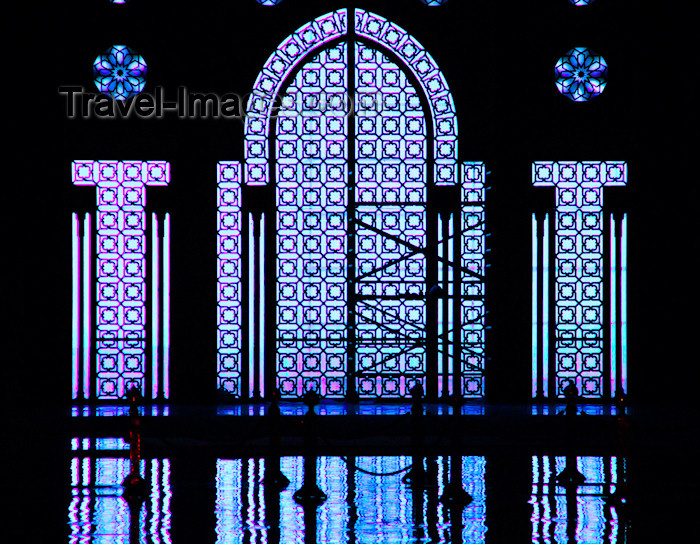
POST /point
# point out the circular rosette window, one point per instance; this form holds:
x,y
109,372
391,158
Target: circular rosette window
x,y
581,74
120,72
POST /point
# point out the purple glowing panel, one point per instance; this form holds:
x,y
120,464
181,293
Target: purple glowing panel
x,y
581,74
229,277
473,262
390,213
579,3
268,2
312,200
434,2
579,246
433,84
268,87
120,72
120,282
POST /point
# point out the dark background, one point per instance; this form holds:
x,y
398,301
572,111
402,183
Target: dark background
x,y
498,58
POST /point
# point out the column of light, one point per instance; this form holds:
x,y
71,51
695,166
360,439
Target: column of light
x,y
535,329
613,305
166,306
545,305
87,314
623,302
155,306
75,315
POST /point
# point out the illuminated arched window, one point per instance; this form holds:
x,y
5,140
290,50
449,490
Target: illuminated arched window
x,y
351,242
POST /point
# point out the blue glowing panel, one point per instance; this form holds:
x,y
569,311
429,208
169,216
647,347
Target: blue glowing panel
x,y
579,245
581,2
390,216
229,277
268,87
268,2
581,74
120,282
98,513
120,72
473,262
312,199
433,84
434,2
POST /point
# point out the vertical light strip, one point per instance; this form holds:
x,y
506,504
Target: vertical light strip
x,y
87,315
613,306
623,302
545,305
261,271
535,329
251,305
166,306
229,274
155,305
450,294
75,317
440,301
156,512
473,251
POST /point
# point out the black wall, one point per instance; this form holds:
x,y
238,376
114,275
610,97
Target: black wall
x,y
497,56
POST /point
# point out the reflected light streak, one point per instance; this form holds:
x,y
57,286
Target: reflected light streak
x,y
97,511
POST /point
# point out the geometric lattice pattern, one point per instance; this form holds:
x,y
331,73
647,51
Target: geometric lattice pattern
x,y
376,187
390,218
268,87
578,301
473,285
229,277
433,84
312,199
120,335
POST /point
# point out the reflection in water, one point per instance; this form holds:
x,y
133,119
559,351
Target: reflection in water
x,y
367,502
581,514
97,512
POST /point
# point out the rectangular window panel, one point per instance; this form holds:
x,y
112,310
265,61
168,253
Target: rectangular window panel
x,y
579,329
